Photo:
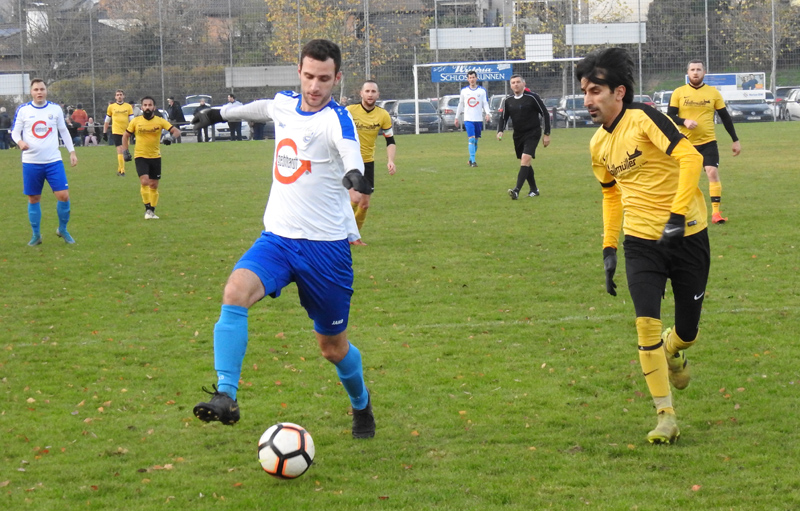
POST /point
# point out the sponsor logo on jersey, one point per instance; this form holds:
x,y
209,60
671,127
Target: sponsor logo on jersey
x,y
691,102
40,129
629,163
473,102
288,166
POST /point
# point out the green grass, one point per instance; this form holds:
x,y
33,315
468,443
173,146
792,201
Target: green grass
x,y
502,373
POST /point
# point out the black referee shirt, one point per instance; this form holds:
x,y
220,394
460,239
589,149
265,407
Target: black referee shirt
x,y
525,113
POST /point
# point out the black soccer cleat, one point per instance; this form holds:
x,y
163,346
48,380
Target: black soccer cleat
x,y
221,408
364,421
514,194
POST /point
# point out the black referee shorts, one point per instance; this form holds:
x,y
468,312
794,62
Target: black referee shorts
x,y
649,265
150,167
369,173
117,139
525,142
710,152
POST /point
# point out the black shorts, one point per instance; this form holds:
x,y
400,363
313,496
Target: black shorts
x,y
526,142
649,265
710,153
150,167
369,173
117,139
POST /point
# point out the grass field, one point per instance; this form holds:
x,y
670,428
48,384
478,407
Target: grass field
x,y
503,375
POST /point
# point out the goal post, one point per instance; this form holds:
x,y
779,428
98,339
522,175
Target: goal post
x,y
417,67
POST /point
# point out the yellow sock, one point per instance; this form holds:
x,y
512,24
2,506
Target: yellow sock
x,y
145,191
361,215
354,205
654,362
120,164
715,193
674,344
154,197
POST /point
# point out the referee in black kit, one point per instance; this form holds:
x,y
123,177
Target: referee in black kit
x,y
524,108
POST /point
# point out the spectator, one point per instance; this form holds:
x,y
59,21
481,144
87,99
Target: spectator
x,y
5,126
235,128
72,127
79,118
175,113
90,137
201,131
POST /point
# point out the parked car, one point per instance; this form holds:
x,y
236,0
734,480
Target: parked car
x,y
386,104
220,130
771,102
403,116
791,106
749,110
572,112
496,105
780,96
552,105
644,98
447,110
661,100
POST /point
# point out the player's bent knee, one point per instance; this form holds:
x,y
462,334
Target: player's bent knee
x,y
243,288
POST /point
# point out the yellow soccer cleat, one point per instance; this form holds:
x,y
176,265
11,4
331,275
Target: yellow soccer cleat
x,y
667,431
679,375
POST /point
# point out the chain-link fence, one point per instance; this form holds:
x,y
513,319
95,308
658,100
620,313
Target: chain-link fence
x,y
86,49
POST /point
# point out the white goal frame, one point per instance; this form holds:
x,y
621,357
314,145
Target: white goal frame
x,y
470,63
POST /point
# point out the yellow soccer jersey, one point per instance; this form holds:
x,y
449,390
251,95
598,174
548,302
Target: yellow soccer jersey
x,y
646,165
148,135
698,104
120,117
369,124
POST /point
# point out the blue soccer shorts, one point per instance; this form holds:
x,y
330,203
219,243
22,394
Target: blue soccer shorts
x,y
322,270
473,128
35,174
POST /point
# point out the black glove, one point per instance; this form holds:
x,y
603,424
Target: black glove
x,y
206,118
126,155
356,180
672,236
105,136
610,267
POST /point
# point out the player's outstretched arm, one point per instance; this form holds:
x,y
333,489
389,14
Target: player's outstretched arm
x,y
207,117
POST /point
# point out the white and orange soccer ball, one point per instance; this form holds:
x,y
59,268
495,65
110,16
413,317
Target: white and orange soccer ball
x,y
286,450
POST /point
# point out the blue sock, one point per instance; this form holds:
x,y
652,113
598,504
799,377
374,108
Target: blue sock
x,y
35,217
473,148
351,373
230,344
62,208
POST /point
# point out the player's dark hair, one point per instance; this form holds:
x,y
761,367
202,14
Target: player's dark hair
x,y
172,98
472,72
119,90
696,61
147,97
610,66
37,80
231,96
369,81
516,76
322,50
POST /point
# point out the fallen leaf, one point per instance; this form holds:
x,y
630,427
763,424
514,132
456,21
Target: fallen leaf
x,y
4,484
696,487
415,433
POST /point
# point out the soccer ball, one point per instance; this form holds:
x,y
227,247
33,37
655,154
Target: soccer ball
x,y
286,450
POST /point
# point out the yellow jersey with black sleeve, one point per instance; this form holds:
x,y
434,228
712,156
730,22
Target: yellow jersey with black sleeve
x,y
148,135
120,115
368,124
698,104
647,169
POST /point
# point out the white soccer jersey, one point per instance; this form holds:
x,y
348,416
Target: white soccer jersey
x,y
39,127
313,151
473,103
